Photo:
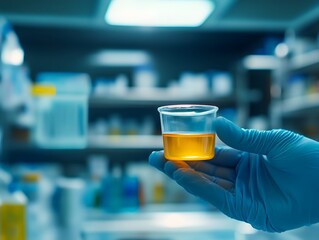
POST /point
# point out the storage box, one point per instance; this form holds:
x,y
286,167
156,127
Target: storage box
x,y
61,118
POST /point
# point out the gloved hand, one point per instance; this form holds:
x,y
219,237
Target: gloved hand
x,y
269,179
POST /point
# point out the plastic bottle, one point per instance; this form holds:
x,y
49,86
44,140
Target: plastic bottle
x,y
5,179
1,237
131,191
11,58
222,84
14,214
115,125
131,127
98,168
147,127
145,77
30,186
71,211
111,195
158,189
117,194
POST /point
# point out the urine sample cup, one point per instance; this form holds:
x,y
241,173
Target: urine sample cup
x,y
188,132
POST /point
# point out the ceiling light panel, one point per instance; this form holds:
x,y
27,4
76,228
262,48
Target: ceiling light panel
x,y
159,13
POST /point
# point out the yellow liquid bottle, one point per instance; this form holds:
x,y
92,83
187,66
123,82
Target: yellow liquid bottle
x,y
189,147
5,178
1,215
13,214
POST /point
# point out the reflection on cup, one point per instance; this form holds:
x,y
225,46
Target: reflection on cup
x,y
188,132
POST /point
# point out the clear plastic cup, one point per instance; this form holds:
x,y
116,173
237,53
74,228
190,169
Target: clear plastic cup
x,y
188,132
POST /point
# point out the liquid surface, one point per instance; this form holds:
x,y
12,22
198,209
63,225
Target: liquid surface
x,y
189,147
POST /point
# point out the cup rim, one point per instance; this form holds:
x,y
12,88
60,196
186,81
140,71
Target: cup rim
x,y
210,109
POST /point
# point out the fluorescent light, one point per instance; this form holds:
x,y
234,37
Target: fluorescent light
x,y
121,58
159,13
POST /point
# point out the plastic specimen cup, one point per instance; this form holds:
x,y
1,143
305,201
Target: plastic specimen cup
x,y
188,132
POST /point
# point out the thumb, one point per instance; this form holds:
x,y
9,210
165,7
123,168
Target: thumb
x,y
249,140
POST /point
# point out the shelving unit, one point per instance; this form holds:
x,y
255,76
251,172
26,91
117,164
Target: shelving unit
x,y
128,148
125,142
119,147
300,105
162,224
254,90
156,97
132,148
106,143
306,62
299,112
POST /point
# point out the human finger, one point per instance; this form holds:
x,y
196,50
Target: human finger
x,y
200,186
206,167
226,156
157,160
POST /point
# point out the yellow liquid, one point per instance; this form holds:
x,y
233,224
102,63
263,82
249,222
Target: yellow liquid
x,y
189,147
13,225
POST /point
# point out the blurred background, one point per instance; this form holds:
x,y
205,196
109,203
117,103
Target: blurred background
x,y
80,84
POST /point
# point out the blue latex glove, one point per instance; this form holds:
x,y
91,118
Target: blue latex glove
x,y
271,181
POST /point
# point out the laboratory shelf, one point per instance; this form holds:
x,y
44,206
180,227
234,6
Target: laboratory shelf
x,y
300,105
104,142
181,221
129,142
125,142
306,62
260,62
173,225
156,97
117,148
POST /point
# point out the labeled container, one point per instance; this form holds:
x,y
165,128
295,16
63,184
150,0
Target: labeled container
x,y
145,77
13,215
5,179
70,202
61,110
188,132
